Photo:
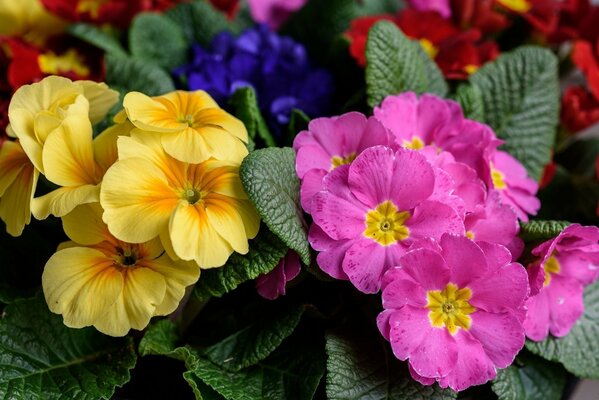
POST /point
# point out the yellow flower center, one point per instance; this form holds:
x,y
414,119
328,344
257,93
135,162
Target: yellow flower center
x,y
429,48
90,6
187,119
551,267
415,144
450,308
51,63
471,68
192,195
385,224
470,235
498,178
127,256
337,161
519,6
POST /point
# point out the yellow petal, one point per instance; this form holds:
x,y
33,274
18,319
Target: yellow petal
x,y
105,145
189,102
227,222
167,244
219,177
249,215
50,93
84,224
222,119
68,153
15,202
67,245
151,115
120,117
12,161
137,200
22,121
101,99
81,284
63,200
143,291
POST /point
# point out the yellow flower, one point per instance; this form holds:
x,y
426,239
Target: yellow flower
x,y
112,285
193,128
18,179
28,20
37,110
200,211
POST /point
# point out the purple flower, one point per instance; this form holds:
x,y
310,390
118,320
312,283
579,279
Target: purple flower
x,y
276,67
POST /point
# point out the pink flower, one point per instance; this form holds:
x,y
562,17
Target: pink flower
x,y
441,6
510,179
451,309
567,264
272,285
331,142
274,12
371,211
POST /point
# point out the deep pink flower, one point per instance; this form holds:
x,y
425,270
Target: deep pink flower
x,y
371,211
441,6
451,309
274,12
331,142
272,285
567,263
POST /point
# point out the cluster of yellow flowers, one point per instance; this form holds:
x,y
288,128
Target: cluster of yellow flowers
x,y
147,203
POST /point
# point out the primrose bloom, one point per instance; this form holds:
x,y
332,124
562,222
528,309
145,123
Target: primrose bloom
x,y
192,127
113,285
331,142
371,211
451,309
566,265
200,211
272,285
29,20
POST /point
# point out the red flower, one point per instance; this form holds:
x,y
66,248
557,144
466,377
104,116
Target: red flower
x,y
548,174
229,7
578,19
541,14
585,58
479,14
461,56
579,109
358,35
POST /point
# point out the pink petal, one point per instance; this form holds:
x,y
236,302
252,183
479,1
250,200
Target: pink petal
x,y
565,304
427,268
272,285
399,115
418,378
536,324
465,259
433,219
497,255
401,290
310,157
579,265
311,184
332,252
504,289
501,336
366,261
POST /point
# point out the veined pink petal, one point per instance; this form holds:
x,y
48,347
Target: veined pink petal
x,y
332,252
311,184
536,323
433,219
501,335
565,304
364,263
464,258
427,268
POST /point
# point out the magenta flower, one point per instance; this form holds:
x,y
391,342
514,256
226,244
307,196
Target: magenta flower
x,y
510,179
331,142
371,211
567,264
441,6
272,285
274,12
451,309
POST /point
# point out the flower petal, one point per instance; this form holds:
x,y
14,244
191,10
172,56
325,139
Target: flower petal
x,y
501,336
63,200
197,145
84,225
15,204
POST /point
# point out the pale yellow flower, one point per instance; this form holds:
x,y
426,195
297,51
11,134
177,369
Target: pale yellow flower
x,y
200,211
192,127
115,286
29,20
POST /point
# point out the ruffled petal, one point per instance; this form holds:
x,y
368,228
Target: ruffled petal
x,y
63,200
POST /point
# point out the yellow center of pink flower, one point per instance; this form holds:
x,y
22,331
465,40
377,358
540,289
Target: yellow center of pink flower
x,y
450,308
429,48
337,161
51,63
519,6
498,179
470,235
385,224
551,267
415,144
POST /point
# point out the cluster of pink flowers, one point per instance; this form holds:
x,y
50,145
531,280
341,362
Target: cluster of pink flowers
x,y
418,201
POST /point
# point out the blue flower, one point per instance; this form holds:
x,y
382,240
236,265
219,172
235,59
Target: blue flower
x,y
276,67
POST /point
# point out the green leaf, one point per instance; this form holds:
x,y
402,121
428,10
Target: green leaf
x,y
521,101
360,366
98,37
269,178
530,378
539,231
128,74
199,20
245,106
257,341
157,39
471,100
266,250
396,64
297,122
159,338
43,359
579,350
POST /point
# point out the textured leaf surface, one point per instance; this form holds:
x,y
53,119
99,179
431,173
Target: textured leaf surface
x,y
579,350
128,74
269,178
199,20
396,64
530,378
43,359
157,39
255,342
97,37
471,100
266,250
521,101
361,367
535,231
246,108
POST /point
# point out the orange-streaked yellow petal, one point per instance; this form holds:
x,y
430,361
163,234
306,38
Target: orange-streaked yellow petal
x,y
12,161
150,115
105,145
63,200
249,215
188,102
227,222
84,225
220,118
198,145
15,203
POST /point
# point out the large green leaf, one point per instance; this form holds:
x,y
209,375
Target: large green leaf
x,y
157,39
269,178
471,100
245,106
360,366
98,37
43,359
530,378
521,101
541,230
199,20
579,350
396,64
266,250
129,74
